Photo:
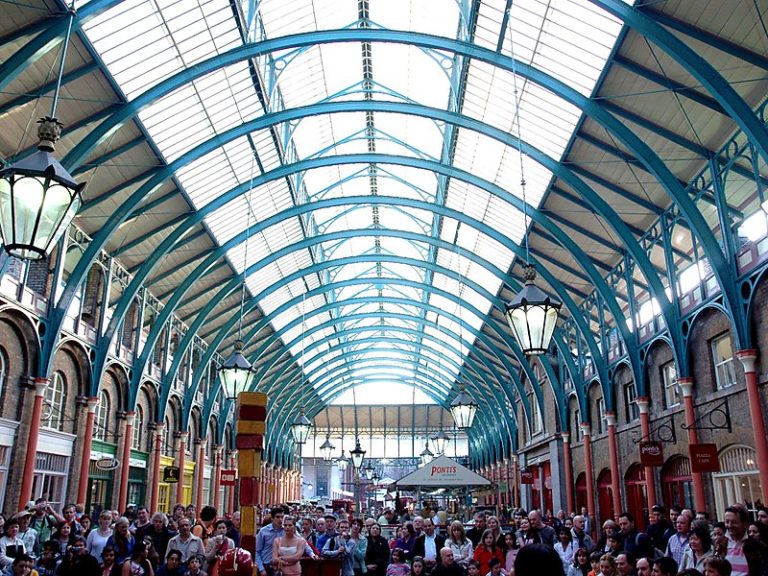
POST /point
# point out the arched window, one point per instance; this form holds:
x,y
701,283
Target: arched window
x,y
138,428
101,423
55,396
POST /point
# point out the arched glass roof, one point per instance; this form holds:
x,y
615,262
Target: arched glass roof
x,y
357,166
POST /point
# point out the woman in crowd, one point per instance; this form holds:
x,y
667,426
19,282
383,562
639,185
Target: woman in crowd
x,y
580,565
152,555
525,535
10,544
510,539
85,523
565,547
77,561
699,548
63,536
99,537
608,565
355,546
716,566
492,523
122,540
457,541
288,550
417,566
376,552
216,547
138,563
407,541
486,550
609,529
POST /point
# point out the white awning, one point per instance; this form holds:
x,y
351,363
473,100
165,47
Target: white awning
x,y
442,472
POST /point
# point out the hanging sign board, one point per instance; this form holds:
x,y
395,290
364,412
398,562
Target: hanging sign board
x,y
526,476
228,477
704,458
171,474
651,454
107,463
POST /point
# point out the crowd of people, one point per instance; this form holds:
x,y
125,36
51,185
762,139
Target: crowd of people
x,y
38,541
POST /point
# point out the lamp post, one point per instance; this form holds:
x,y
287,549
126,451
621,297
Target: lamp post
x,y
342,463
358,455
426,455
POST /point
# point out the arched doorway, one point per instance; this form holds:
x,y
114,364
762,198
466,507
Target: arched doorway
x,y
738,481
677,483
581,491
637,499
604,496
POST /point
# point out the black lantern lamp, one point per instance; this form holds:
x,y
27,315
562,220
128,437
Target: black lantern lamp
x,y
326,449
38,197
426,455
440,442
463,409
235,372
369,471
358,455
532,315
342,463
300,428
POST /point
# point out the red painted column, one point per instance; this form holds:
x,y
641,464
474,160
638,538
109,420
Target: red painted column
x,y
568,465
686,386
217,477
155,488
516,483
645,431
85,458
590,475
748,358
610,419
182,436
25,495
510,502
122,497
200,469
231,498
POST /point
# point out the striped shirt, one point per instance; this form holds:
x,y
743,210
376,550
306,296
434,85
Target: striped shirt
x,y
735,556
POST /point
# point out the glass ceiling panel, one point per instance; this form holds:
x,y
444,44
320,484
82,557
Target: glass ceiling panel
x,y
143,42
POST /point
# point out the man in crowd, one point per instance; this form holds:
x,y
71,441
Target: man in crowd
x,y
158,532
657,527
447,566
579,535
541,532
234,530
330,531
70,517
428,545
28,535
44,520
264,540
142,520
643,567
736,533
185,542
679,540
634,541
664,567
625,564
476,532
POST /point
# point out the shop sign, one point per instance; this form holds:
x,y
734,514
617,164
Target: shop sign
x,y
171,474
526,476
107,463
651,454
704,458
228,477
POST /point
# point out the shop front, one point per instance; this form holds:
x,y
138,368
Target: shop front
x,y
137,478
101,477
52,465
165,489
8,430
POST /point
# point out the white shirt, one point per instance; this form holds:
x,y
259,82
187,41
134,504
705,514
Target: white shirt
x,y
430,550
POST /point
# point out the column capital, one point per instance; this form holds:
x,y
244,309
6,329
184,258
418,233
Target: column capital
x,y
157,427
41,384
586,429
686,385
642,404
181,435
610,418
566,436
130,418
748,358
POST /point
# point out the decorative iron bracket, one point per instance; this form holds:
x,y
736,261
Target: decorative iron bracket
x,y
716,418
662,432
